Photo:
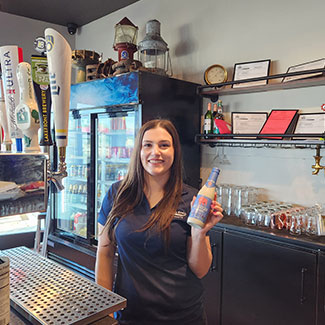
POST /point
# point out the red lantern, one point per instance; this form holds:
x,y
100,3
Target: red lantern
x,y
125,39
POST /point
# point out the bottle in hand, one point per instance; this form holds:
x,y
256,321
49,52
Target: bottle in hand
x,y
202,203
208,121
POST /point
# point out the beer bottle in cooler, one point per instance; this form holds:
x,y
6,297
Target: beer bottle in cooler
x,y
69,193
201,206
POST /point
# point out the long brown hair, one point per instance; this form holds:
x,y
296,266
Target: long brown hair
x,y
130,192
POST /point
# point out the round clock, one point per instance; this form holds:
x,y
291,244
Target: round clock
x,y
215,74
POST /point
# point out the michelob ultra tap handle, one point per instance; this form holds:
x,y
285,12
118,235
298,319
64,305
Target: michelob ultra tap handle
x,y
59,57
27,116
4,120
10,56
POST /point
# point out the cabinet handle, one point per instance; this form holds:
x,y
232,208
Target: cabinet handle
x,y
214,257
302,285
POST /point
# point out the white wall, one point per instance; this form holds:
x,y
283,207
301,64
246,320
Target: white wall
x,y
201,33
21,31
222,31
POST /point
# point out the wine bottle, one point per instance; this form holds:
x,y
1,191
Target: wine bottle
x,y
215,111
202,203
208,121
215,116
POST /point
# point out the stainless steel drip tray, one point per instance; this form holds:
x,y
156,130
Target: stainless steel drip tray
x,y
45,292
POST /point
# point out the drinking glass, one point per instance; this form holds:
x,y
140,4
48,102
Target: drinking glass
x,y
295,225
260,216
311,216
238,199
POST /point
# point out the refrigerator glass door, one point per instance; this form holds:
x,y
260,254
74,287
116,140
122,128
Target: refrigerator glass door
x,y
115,142
71,203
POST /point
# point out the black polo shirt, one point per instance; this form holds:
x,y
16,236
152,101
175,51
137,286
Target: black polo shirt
x,y
159,285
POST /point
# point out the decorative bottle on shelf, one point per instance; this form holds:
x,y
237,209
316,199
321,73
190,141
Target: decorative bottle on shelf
x,y
201,206
208,121
219,114
215,114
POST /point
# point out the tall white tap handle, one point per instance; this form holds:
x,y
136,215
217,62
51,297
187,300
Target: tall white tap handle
x,y
27,116
59,56
9,60
4,120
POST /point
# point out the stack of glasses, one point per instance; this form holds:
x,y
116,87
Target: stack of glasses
x,y
243,202
278,215
233,197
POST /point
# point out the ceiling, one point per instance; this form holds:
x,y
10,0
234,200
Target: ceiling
x,y
62,12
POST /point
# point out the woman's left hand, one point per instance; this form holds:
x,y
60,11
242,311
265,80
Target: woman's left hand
x,y
214,216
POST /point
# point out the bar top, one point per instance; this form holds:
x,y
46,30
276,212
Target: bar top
x,y
44,292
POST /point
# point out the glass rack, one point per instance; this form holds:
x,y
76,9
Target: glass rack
x,y
286,141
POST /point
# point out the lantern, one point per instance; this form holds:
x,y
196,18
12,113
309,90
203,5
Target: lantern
x,y
125,39
153,50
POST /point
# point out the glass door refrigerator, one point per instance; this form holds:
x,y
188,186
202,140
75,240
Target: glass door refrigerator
x,y
105,116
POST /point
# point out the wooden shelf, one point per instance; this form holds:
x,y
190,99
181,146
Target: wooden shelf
x,y
225,88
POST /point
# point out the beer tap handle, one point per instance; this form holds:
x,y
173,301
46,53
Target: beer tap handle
x,y
4,119
10,56
43,98
59,56
27,117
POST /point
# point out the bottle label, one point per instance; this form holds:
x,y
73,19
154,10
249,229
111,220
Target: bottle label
x,y
211,182
201,208
215,128
207,125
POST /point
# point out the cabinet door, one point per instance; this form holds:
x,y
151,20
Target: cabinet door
x,y
212,281
267,283
321,290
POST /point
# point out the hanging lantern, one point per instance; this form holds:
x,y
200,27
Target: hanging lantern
x,y
154,53
125,39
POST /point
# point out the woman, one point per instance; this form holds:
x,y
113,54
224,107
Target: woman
x,y
161,259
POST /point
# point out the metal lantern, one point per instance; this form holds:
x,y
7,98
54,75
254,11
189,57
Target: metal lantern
x,y
125,39
154,53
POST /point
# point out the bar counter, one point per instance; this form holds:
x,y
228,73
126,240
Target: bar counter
x,y
303,240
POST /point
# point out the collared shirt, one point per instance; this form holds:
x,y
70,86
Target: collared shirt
x,y
159,285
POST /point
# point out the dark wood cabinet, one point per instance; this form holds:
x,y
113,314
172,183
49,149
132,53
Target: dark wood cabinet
x,y
321,290
212,281
256,280
267,283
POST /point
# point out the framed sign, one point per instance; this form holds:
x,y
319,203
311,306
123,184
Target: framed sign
x,y
310,123
248,70
247,123
317,64
280,121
